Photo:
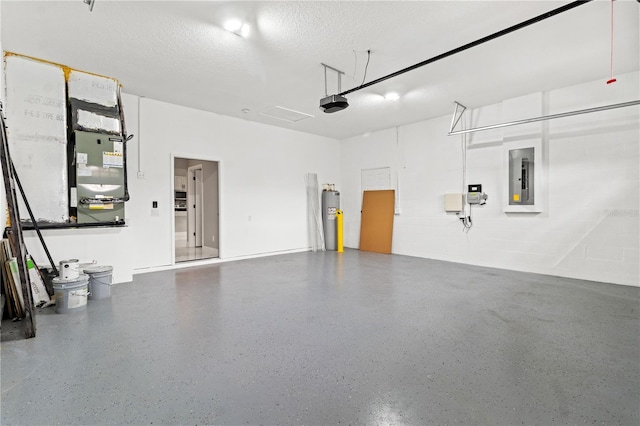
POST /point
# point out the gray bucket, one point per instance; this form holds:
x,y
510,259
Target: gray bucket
x,y
100,280
71,295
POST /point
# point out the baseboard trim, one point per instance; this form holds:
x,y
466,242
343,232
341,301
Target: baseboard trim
x,y
213,261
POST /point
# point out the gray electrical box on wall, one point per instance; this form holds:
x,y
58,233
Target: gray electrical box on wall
x,y
100,177
521,176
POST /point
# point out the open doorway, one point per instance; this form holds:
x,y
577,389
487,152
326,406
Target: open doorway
x,y
196,209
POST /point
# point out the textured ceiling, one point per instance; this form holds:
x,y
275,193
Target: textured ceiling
x,y
177,51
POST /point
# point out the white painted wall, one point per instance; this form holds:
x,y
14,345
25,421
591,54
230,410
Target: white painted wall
x,y
589,228
261,171
106,246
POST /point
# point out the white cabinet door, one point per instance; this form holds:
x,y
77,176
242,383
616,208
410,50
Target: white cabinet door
x,y
180,183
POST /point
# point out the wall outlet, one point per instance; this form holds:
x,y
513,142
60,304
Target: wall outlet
x,y
140,175
213,238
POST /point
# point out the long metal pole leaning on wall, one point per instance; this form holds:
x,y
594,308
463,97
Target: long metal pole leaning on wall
x,y
16,240
456,118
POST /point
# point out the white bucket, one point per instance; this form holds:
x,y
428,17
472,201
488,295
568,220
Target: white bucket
x,y
100,281
71,295
69,269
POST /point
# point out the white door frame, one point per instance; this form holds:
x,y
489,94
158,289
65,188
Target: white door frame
x,y
194,206
221,177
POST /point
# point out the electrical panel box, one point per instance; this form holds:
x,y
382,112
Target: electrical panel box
x,y
453,202
100,177
521,178
475,195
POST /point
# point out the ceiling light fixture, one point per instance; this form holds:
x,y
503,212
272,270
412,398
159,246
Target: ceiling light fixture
x,y
232,25
237,27
392,96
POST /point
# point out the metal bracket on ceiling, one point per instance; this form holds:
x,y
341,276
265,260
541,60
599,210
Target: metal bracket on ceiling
x,y
340,74
90,3
454,120
533,120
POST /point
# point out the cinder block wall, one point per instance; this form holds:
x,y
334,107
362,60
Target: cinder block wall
x,y
589,224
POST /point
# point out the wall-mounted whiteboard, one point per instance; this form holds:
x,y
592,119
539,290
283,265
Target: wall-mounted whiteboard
x,y
36,128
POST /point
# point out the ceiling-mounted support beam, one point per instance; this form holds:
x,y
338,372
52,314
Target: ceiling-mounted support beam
x,y
340,74
533,120
472,44
333,103
455,119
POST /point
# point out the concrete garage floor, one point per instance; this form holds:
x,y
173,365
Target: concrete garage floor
x,y
323,338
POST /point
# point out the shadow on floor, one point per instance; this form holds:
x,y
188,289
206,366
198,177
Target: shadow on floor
x,y
14,329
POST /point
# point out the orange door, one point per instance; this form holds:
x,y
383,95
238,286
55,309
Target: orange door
x,y
376,226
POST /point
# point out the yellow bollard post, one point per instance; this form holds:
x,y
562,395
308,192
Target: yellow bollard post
x,y
340,231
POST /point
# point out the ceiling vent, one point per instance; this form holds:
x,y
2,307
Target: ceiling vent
x,y
285,114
